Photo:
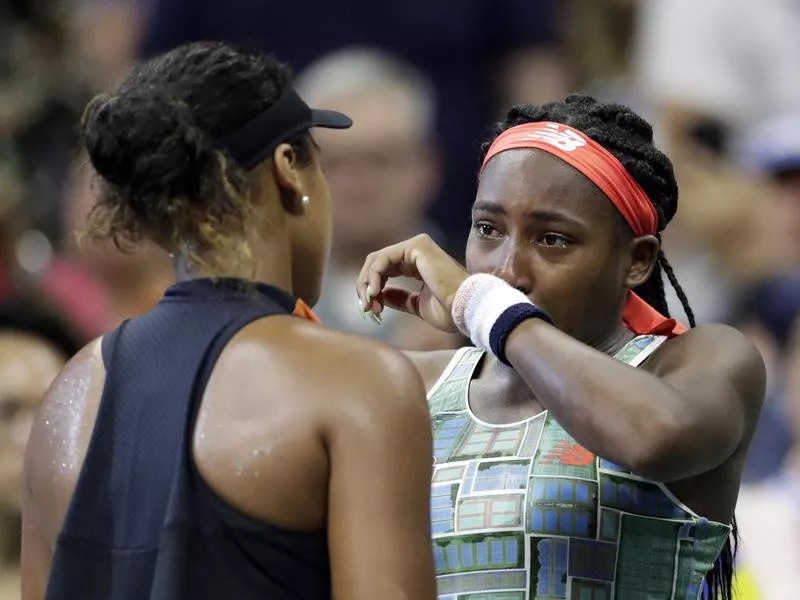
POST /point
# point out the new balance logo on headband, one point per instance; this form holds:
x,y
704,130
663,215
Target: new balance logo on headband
x,y
567,140
594,161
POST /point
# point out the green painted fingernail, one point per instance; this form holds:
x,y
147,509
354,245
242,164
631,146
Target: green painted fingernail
x,y
377,318
361,310
369,295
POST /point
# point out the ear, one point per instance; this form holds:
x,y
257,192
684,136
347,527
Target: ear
x,y
287,176
644,255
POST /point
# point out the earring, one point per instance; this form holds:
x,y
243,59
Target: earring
x,y
305,200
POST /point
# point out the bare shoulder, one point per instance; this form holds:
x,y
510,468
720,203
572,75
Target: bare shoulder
x,y
71,395
719,351
61,433
431,364
347,366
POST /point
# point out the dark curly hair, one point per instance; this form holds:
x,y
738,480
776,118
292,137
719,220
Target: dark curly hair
x,y
153,143
630,139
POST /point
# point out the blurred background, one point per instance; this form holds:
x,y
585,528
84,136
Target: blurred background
x,y
423,80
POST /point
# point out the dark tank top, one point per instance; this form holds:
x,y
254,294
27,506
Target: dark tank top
x,y
142,523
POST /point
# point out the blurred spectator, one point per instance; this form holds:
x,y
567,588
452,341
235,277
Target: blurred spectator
x,y
769,513
479,54
712,69
600,36
35,343
41,99
12,223
99,286
106,35
708,71
54,55
720,243
383,174
767,315
771,149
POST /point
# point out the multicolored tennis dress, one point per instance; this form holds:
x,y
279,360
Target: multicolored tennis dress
x,y
522,511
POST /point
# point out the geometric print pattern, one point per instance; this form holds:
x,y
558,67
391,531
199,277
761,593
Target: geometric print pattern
x,y
524,512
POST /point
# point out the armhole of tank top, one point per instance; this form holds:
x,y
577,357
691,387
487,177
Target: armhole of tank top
x,y
647,351
225,510
454,362
228,513
213,352
108,348
109,343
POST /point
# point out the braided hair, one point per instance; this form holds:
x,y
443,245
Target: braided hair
x,y
630,139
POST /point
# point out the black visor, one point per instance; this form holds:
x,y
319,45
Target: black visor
x,y
258,138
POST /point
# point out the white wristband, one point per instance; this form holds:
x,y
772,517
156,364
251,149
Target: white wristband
x,y
479,302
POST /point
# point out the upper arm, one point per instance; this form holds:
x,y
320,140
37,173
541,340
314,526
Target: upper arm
x,y
379,492
36,555
65,422
719,378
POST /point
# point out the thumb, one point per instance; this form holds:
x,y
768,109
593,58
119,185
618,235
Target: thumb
x,y
401,299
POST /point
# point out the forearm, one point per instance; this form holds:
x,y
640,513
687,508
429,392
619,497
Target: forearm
x,y
624,414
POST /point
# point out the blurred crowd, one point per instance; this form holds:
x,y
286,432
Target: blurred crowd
x,y
423,82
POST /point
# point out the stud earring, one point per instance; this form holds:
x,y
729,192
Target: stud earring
x,y
305,200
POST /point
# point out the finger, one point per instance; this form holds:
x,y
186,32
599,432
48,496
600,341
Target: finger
x,y
376,307
375,282
378,268
401,299
373,261
392,261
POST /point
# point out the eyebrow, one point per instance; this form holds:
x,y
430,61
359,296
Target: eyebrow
x,y
548,216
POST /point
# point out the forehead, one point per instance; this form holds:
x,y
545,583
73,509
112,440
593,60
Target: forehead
x,y
525,180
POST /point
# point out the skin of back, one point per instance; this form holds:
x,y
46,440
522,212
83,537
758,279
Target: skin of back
x,y
344,453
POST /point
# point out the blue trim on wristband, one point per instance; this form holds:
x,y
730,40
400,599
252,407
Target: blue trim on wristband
x,y
508,321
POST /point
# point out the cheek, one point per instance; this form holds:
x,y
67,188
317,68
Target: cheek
x,y
483,257
575,292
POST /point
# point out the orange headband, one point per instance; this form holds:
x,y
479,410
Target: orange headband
x,y
591,159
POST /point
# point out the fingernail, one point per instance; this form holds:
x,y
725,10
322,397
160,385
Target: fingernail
x,y
377,318
361,309
369,295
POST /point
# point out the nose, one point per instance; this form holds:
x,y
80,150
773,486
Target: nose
x,y
515,269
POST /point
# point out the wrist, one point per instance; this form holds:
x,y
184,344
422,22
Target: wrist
x,y
487,310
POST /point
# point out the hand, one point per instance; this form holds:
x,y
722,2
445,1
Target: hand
x,y
423,260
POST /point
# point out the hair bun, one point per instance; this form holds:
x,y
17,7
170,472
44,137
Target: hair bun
x,y
146,143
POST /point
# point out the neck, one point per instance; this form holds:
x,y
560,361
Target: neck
x,y
136,291
277,272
